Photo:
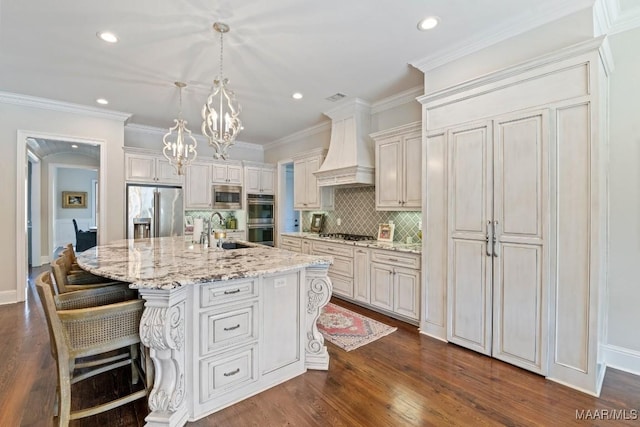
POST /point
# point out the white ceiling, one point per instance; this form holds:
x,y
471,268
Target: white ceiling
x,y
361,48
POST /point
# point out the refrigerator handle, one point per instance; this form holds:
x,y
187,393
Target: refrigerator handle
x,y
156,214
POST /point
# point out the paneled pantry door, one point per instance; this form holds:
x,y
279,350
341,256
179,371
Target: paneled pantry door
x,y
498,238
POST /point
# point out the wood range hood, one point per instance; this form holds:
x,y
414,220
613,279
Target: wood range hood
x,y
350,159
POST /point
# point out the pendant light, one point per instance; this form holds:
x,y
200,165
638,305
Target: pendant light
x,y
220,121
179,145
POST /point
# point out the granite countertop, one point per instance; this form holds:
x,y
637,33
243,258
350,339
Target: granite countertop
x,y
171,262
415,248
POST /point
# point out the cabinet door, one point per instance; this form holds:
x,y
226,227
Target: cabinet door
x,y
252,180
382,286
165,173
300,184
470,214
406,297
412,172
388,169
361,271
313,191
198,186
234,174
267,180
281,338
140,168
219,173
520,218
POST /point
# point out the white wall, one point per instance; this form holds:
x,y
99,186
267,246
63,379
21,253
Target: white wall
x,y
624,193
15,118
151,138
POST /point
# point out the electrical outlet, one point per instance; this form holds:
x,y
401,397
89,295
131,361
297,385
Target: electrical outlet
x,y
338,221
419,225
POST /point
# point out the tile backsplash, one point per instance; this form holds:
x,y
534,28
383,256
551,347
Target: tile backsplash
x,y
356,208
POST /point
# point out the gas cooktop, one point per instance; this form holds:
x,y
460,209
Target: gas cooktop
x,y
346,236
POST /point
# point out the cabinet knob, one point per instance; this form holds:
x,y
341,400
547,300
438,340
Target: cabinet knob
x,y
399,202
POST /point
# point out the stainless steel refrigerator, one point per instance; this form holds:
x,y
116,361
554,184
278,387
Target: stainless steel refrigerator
x,y
154,211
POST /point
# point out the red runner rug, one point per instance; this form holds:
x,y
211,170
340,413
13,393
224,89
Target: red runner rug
x,y
349,330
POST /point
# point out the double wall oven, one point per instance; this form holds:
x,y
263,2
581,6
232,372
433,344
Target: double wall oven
x,y
260,218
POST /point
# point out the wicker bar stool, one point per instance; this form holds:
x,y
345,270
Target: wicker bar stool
x,y
91,332
62,279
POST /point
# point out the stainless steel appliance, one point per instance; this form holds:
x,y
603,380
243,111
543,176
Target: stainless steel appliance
x,y
260,218
154,211
227,196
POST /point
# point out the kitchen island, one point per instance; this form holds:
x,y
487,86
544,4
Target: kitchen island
x,y
221,325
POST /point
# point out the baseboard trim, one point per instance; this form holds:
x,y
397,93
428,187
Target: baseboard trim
x,y
44,260
8,297
622,358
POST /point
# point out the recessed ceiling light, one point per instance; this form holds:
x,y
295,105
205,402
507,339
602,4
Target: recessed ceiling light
x,y
102,101
428,23
107,36
297,95
74,146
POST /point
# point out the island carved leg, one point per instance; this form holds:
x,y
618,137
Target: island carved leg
x,y
318,287
162,329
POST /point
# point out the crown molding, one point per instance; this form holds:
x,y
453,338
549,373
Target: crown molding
x,y
160,132
497,34
621,21
398,130
64,107
516,70
401,98
313,130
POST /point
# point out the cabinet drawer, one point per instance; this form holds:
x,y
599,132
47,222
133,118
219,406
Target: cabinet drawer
x,y
342,266
293,242
342,285
220,330
401,259
333,249
223,373
227,291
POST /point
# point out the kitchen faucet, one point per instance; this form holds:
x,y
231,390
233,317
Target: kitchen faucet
x,y
221,219
209,222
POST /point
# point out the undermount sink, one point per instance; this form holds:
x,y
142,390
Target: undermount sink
x,y
235,245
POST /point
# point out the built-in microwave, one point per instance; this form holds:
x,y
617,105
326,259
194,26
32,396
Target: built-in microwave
x,y
226,197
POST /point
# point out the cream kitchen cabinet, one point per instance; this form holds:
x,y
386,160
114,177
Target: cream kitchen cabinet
x,y
259,179
145,167
395,283
515,214
361,275
291,243
341,271
226,173
398,168
198,186
307,195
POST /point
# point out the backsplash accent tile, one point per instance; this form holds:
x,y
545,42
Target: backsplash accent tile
x,y
356,207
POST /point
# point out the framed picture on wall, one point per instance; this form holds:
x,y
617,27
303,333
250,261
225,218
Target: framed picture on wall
x,y
74,199
385,232
317,221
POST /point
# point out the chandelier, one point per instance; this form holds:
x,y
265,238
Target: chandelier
x,y
220,121
179,145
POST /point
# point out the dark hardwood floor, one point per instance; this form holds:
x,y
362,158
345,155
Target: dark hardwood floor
x,y
401,379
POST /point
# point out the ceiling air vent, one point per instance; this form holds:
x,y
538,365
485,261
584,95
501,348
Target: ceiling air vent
x,y
337,97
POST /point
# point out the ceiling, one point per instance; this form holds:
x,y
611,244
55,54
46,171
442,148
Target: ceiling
x,y
46,147
361,48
